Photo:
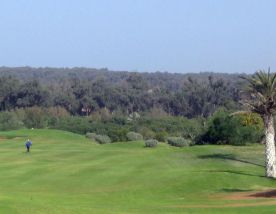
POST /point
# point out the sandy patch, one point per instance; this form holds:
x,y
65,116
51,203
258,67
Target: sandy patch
x,y
266,197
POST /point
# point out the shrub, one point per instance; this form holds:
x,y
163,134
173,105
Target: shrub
x,y
237,129
151,143
83,125
116,133
161,136
133,136
146,133
54,114
102,139
35,117
151,127
73,124
9,121
91,136
57,112
178,141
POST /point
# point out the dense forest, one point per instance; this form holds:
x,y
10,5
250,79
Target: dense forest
x,y
82,91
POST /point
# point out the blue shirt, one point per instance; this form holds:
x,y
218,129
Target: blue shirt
x,y
28,144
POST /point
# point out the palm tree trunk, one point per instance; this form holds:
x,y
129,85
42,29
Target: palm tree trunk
x,y
269,146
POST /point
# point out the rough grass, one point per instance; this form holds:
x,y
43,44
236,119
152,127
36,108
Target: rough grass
x,y
67,173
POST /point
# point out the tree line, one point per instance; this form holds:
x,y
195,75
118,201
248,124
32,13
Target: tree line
x,y
83,91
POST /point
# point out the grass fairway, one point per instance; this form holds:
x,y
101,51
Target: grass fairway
x,y
66,173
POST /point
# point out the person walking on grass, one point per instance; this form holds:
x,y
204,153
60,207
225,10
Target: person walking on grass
x,y
28,145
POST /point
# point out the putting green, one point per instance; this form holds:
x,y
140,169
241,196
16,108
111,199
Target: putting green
x,y
66,173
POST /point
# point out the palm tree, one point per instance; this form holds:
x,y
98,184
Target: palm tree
x,y
262,100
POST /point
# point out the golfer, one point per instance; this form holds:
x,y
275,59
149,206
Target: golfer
x,y
28,145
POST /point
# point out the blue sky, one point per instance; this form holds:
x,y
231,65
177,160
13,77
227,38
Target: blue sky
x,y
140,35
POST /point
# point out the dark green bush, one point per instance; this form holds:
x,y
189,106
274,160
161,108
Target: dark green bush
x,y
178,141
73,124
133,136
151,143
116,133
161,136
225,128
102,139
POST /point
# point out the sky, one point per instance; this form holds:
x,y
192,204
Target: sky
x,y
140,35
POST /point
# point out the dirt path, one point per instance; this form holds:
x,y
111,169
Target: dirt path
x,y
261,203
267,198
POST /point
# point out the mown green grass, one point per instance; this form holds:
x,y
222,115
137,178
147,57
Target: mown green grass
x,y
67,173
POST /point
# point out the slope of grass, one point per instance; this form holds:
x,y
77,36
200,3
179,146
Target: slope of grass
x,y
66,173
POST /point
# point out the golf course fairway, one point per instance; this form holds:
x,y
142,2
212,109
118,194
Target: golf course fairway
x,y
67,173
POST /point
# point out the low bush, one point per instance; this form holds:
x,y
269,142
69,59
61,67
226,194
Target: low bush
x,y
102,139
133,136
91,136
151,143
178,141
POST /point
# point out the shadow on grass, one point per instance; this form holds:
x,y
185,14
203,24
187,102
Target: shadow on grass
x,y
235,172
228,157
266,194
263,194
236,190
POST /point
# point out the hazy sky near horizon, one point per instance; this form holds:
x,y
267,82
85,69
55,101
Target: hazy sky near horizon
x,y
140,35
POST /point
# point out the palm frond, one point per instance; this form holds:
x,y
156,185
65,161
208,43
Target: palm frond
x,y
262,91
